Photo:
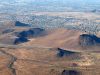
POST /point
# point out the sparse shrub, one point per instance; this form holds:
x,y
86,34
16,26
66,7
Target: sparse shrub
x,y
89,27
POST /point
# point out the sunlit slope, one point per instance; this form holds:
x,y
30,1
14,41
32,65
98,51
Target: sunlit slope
x,y
58,38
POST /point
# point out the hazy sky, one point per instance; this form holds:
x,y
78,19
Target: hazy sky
x,y
12,6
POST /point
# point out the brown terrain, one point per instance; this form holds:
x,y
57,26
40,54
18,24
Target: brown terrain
x,y
53,52
25,59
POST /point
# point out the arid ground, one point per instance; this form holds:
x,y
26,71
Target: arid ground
x,y
56,44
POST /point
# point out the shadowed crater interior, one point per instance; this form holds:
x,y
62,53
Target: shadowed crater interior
x,y
18,23
70,72
20,40
33,32
62,52
88,40
25,35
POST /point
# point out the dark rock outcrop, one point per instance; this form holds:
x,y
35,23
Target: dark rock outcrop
x,y
33,32
62,52
70,72
88,40
17,23
20,40
23,36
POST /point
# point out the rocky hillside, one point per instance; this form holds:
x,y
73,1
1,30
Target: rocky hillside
x,y
89,40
